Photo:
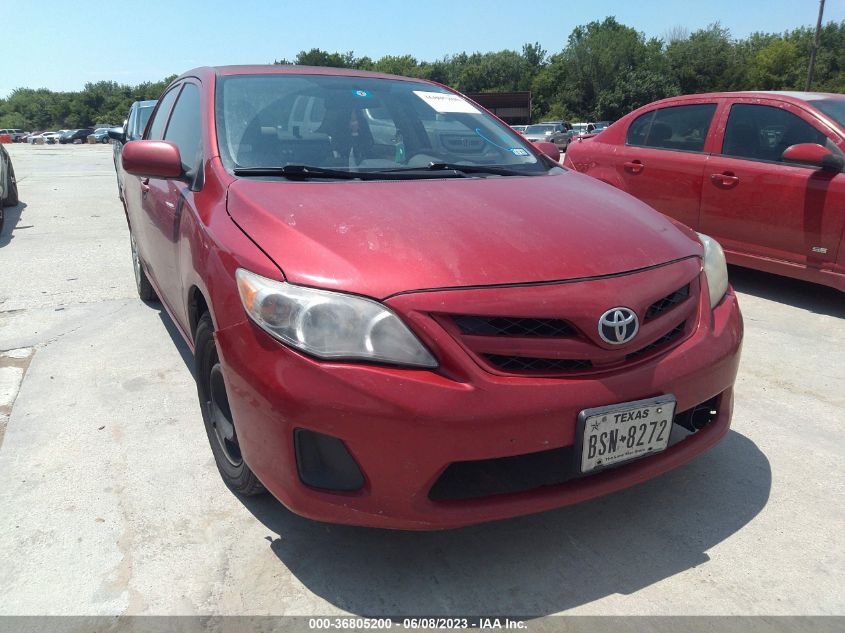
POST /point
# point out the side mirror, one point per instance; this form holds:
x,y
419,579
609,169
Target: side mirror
x,y
549,149
117,133
152,159
815,155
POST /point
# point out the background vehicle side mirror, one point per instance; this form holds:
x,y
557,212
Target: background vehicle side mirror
x,y
117,133
152,159
549,149
813,154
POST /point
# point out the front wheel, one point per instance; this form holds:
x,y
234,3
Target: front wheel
x,y
217,415
142,284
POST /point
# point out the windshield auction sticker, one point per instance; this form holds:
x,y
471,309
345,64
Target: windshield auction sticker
x,y
445,102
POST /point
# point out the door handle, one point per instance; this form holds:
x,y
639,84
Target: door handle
x,y
145,186
634,166
726,180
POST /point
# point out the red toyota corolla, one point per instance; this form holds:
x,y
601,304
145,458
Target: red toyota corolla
x,y
404,315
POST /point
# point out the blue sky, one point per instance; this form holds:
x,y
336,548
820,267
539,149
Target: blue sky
x,y
62,45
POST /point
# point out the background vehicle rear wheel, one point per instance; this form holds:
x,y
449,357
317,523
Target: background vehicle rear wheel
x,y
216,414
11,198
142,283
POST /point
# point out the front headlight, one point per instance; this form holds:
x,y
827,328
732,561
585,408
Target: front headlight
x,y
330,325
715,268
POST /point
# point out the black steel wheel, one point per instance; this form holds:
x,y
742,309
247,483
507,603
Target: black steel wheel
x,y
217,415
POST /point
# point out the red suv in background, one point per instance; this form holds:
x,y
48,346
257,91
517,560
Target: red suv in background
x,y
404,315
760,172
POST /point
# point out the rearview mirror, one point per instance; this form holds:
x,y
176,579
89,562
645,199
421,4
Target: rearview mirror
x,y
152,159
813,154
549,149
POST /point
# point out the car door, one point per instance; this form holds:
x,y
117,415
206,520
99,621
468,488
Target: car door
x,y
756,204
664,158
163,200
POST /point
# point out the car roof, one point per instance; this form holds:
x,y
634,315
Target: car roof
x,y
795,97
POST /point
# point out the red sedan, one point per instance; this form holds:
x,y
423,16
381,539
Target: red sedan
x,y
405,315
760,172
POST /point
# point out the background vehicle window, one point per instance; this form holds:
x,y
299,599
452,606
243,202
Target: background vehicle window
x,y
184,127
681,128
762,132
157,126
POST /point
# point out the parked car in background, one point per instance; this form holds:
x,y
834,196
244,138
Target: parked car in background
x,y
582,129
762,172
556,133
51,138
15,134
32,138
100,135
132,130
72,136
519,128
8,185
464,331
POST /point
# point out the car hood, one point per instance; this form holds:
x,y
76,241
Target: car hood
x,y
384,237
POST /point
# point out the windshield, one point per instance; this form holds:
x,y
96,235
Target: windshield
x,y
833,108
540,129
358,124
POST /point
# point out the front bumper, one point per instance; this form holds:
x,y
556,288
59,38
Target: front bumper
x,y
404,427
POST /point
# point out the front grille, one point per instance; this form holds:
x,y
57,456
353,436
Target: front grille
x,y
526,364
667,338
513,326
667,303
521,473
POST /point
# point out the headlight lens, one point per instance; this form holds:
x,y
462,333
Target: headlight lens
x,y
330,325
715,267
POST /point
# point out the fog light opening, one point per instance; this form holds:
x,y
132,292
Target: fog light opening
x,y
324,462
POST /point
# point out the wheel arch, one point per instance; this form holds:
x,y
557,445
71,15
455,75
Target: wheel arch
x,y
197,306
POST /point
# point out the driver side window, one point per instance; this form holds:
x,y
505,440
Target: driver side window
x,y
761,132
156,132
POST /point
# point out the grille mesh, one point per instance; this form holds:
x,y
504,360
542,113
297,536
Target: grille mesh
x,y
667,303
663,340
522,363
513,326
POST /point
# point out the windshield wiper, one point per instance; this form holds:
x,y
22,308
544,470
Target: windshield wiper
x,y
298,172
307,172
494,170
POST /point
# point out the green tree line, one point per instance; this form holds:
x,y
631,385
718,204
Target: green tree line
x,y
604,70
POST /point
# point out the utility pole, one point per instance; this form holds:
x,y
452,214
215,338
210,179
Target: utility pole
x,y
815,47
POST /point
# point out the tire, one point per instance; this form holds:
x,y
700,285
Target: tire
x,y
11,198
217,416
145,289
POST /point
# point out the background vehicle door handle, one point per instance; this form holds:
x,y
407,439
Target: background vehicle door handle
x,y
726,180
634,166
145,186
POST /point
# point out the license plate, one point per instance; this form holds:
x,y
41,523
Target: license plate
x,y
621,432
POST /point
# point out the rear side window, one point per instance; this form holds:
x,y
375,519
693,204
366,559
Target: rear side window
x,y
761,132
680,128
156,132
184,126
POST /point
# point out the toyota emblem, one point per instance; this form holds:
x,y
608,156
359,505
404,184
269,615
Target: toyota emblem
x,y
618,326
